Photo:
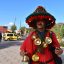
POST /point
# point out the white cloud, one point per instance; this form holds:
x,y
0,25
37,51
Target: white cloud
x,y
10,23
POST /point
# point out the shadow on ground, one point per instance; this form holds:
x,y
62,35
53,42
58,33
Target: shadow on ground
x,y
10,43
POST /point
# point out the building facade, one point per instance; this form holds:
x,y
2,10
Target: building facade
x,y
3,29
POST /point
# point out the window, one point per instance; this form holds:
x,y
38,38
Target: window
x,y
9,34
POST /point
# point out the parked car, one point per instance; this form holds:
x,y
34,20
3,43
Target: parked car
x,y
10,36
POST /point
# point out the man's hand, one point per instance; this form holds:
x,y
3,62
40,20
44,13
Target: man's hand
x,y
22,53
58,51
24,57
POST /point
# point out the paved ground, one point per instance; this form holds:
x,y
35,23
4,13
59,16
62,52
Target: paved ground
x,y
10,55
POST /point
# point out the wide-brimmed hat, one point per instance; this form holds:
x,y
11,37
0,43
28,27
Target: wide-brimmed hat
x,y
41,14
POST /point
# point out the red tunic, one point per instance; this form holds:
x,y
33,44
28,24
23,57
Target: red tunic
x,y
29,47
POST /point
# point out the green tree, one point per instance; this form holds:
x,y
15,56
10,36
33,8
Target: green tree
x,y
62,30
22,29
56,29
13,28
28,30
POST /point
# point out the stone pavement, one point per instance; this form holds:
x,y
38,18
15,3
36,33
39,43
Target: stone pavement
x,y
10,55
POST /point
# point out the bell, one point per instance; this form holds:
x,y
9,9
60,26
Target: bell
x,y
37,41
48,40
25,58
43,42
45,45
35,57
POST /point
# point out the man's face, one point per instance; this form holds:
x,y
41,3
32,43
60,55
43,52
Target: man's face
x,y
40,24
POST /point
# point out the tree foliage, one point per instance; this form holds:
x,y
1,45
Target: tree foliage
x,y
13,28
59,30
62,30
22,29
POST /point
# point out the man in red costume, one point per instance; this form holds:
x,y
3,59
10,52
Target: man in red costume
x,y
41,46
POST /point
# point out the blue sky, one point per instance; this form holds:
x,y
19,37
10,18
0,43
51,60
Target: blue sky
x,y
20,9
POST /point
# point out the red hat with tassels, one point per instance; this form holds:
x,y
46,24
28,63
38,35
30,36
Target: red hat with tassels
x,y
41,14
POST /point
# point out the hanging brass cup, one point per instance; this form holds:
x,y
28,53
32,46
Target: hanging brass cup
x,y
48,40
37,41
35,58
25,58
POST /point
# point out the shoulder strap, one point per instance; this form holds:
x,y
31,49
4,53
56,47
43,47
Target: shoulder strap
x,y
51,34
51,47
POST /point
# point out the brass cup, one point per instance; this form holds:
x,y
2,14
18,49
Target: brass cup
x,y
35,57
48,40
37,41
